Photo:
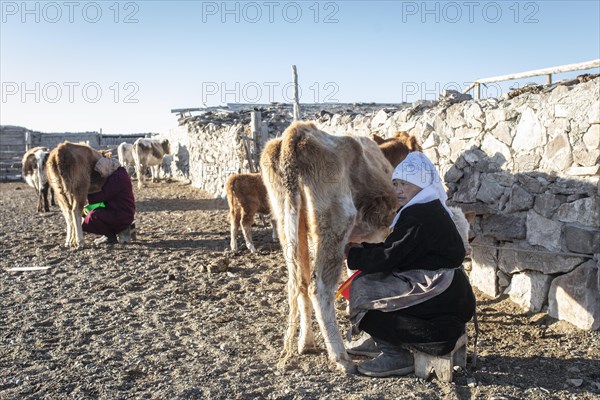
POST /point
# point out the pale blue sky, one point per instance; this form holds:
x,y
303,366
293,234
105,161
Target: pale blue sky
x,y
69,68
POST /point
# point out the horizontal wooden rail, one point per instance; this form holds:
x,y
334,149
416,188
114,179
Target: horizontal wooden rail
x,y
537,72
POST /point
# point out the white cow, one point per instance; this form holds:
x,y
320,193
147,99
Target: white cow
x,y
149,153
34,173
125,153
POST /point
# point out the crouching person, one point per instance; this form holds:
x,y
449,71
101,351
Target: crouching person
x,y
114,217
412,292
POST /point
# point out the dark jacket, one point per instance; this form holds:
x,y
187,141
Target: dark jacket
x,y
424,237
117,195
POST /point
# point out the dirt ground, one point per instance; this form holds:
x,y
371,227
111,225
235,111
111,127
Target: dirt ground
x,y
177,316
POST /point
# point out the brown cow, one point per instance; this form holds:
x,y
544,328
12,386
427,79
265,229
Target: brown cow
x,y
72,176
247,196
397,147
34,173
325,191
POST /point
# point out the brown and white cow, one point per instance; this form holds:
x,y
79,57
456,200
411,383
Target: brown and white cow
x,y
149,153
325,191
125,154
246,196
34,173
72,176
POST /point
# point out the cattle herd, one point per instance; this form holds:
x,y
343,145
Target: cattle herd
x,y
320,192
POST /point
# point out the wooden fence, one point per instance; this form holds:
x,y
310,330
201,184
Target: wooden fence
x,y
16,140
538,72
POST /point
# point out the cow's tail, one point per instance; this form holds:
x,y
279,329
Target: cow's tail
x,y
279,166
229,193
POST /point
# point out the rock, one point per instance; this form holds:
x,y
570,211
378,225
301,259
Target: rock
x,y
529,290
591,138
504,132
584,171
557,154
594,113
582,240
497,151
543,231
585,158
484,264
454,117
526,162
529,133
503,279
379,119
466,133
453,174
489,190
453,96
468,187
575,382
432,140
519,199
575,297
517,257
546,204
473,111
585,212
561,111
504,227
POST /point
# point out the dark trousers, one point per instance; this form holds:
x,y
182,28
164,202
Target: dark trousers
x,y
102,221
433,326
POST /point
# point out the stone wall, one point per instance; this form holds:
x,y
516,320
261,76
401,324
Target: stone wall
x,y
528,166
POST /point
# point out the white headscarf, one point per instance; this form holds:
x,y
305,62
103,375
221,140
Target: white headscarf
x,y
417,169
106,166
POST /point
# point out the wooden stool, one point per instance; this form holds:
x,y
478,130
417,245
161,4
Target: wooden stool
x,y
443,366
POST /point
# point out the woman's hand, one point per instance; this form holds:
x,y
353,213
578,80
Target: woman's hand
x,y
348,247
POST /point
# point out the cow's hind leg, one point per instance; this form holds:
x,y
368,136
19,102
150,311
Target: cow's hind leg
x,y
45,198
234,220
292,323
247,220
306,341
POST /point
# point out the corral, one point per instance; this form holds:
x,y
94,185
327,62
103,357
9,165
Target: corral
x,y
176,315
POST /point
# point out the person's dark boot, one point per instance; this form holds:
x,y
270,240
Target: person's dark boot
x,y
393,361
363,346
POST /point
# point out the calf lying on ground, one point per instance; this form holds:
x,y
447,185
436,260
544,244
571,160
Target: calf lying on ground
x,y
34,173
246,196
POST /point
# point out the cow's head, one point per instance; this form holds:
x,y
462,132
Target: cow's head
x,y
166,146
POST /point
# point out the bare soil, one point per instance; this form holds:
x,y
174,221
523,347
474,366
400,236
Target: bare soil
x,y
175,315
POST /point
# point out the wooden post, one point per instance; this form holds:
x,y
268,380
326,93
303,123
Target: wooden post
x,y
27,140
296,99
477,91
248,153
255,128
549,79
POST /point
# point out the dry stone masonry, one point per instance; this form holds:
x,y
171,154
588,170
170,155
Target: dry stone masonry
x,y
527,165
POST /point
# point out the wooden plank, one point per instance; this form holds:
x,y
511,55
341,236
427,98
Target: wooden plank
x,y
296,99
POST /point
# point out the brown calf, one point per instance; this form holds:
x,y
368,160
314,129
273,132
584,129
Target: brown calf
x,y
247,196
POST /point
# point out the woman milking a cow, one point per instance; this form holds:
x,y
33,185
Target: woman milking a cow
x,y
112,209
411,293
